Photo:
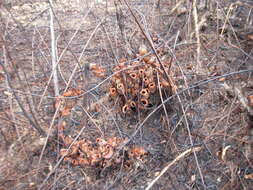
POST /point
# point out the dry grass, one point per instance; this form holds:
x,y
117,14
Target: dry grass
x,y
210,43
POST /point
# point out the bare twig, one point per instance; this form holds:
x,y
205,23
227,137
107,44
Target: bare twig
x,y
195,14
53,51
33,124
179,157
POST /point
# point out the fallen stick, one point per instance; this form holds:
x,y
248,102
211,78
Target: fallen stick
x,y
180,156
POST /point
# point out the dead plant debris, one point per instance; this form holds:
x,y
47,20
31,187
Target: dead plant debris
x,y
100,153
137,84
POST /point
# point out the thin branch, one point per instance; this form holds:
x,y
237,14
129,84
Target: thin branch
x,y
179,157
195,15
53,51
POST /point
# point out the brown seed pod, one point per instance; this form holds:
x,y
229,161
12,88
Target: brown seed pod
x,y
99,72
94,158
68,159
74,149
93,66
144,102
146,81
68,140
132,104
143,50
141,72
164,84
118,159
100,141
75,162
135,63
125,108
108,153
144,92
72,92
149,72
63,152
116,68
116,78
137,152
85,147
134,91
83,161
121,88
121,65
114,141
133,76
152,60
122,60
146,58
152,87
113,92
250,100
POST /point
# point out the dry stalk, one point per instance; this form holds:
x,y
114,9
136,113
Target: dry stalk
x,y
63,52
195,15
179,157
53,51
